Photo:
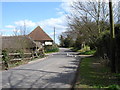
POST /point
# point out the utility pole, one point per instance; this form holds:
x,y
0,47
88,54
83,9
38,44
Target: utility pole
x,y
112,34
54,35
24,30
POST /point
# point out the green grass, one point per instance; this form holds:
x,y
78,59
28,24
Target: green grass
x,y
84,51
90,52
94,75
86,48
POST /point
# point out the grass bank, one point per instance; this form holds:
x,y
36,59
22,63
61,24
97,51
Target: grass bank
x,y
93,74
84,51
90,52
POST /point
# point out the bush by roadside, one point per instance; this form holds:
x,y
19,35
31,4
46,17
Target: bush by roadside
x,y
50,49
84,51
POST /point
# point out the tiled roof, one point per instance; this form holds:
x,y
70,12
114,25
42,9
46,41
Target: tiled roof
x,y
39,35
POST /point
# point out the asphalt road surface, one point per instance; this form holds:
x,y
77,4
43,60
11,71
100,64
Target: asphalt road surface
x,y
56,71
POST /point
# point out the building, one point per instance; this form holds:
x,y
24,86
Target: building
x,y
32,42
40,37
13,43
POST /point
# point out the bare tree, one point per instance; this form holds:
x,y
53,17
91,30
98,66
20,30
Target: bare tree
x,y
15,32
89,19
97,11
21,30
21,34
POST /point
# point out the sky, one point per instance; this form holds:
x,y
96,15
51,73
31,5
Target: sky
x,y
47,15
44,13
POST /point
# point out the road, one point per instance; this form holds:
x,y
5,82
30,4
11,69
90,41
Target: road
x,y
56,71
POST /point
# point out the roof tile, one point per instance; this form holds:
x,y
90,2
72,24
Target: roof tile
x,y
39,35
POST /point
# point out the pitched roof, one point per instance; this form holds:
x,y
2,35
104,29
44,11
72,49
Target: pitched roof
x,y
17,42
39,35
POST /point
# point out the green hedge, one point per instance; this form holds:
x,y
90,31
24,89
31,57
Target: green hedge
x,y
53,48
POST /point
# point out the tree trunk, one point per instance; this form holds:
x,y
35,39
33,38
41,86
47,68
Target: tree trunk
x,y
112,33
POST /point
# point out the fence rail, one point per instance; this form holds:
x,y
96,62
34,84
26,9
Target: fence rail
x,y
18,58
19,54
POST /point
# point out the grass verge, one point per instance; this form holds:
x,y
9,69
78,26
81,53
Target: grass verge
x,y
92,74
90,52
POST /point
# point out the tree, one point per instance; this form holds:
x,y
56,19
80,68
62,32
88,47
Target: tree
x,y
89,20
61,39
112,33
78,42
20,30
96,10
21,34
66,41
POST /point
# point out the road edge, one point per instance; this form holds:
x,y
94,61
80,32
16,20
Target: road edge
x,y
76,74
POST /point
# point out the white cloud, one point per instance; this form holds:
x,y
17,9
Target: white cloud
x,y
60,13
58,23
16,30
57,33
66,4
47,25
6,34
10,26
5,30
28,23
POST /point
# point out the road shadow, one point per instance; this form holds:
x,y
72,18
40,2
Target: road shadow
x,y
19,82
67,77
63,78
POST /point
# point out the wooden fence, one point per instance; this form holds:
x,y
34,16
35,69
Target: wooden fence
x,y
17,56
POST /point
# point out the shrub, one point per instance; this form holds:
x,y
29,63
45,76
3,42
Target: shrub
x,y
78,43
113,87
21,53
53,48
5,58
66,41
103,44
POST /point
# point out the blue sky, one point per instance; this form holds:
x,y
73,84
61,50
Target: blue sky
x,y
45,14
29,10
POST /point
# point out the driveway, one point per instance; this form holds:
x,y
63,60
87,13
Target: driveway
x,y
56,71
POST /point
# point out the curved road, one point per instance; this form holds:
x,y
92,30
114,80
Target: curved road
x,y
56,71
